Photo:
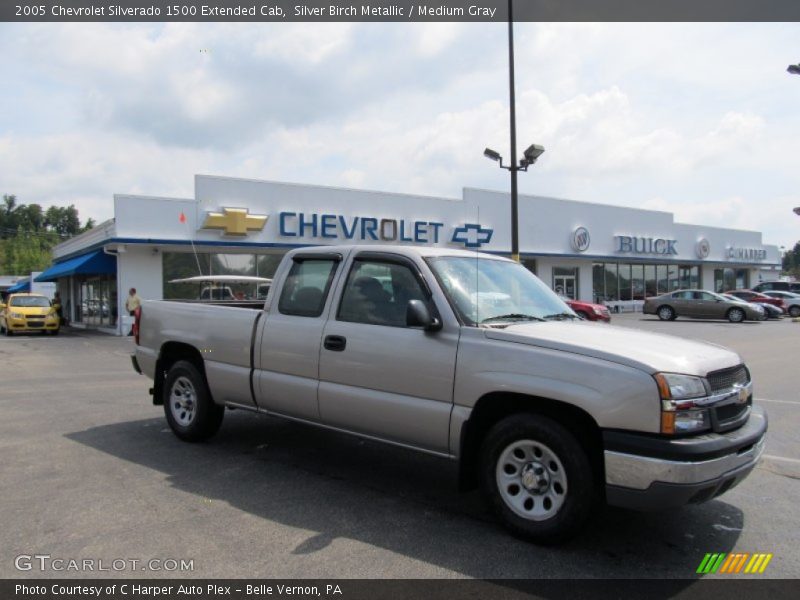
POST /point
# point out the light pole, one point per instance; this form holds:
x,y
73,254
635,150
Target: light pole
x,y
533,152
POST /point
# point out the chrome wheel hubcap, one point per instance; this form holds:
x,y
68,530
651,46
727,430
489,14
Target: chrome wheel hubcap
x,y
531,480
183,401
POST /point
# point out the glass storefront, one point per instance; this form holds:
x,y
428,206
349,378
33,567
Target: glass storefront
x,y
565,282
636,281
731,279
180,265
96,302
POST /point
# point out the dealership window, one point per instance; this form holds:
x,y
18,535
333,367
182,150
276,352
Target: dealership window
x,y
626,281
530,264
180,265
731,279
650,285
97,301
565,281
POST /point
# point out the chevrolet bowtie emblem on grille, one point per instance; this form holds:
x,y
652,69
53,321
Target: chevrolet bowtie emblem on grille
x,y
472,235
235,221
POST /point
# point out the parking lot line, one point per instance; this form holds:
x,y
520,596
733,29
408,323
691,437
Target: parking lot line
x,y
778,401
781,458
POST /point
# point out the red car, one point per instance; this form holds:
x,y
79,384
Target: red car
x,y
758,297
589,311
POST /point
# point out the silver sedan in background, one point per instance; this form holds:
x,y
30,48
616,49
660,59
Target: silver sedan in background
x,y
701,304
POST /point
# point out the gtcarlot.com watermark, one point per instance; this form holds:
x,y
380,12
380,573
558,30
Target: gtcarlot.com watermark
x,y
46,562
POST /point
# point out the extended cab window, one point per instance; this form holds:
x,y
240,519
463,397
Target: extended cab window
x,y
306,287
377,293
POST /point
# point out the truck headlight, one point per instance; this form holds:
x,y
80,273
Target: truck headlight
x,y
678,411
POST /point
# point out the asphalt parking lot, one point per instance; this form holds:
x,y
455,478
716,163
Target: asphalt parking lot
x,y
90,470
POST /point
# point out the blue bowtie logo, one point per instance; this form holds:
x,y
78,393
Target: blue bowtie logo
x,y
472,235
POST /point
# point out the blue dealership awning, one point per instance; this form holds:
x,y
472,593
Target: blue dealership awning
x,y
20,286
92,263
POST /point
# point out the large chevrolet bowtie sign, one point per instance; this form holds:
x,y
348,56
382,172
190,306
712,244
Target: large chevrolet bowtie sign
x,y
238,222
235,221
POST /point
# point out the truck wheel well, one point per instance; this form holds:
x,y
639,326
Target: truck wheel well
x,y
493,407
170,353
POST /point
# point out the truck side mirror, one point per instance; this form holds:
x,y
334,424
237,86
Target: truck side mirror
x,y
418,315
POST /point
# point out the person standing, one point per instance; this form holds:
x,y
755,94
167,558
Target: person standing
x,y
59,309
132,302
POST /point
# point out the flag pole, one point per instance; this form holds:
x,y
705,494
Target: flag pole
x,y
182,219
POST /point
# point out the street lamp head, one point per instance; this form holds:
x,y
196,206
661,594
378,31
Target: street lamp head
x,y
797,210
489,153
794,69
533,152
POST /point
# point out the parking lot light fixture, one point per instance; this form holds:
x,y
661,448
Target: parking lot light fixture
x,y
489,153
797,210
794,69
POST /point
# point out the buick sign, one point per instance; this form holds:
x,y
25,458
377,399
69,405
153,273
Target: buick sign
x,y
644,245
581,239
703,248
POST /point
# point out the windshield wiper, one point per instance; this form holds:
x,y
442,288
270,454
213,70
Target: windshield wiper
x,y
561,315
512,317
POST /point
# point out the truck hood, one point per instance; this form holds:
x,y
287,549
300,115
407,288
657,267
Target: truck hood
x,y
651,352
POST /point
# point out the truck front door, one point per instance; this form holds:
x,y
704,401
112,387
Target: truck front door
x,y
378,376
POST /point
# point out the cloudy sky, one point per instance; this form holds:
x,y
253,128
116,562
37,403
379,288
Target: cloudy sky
x,y
698,119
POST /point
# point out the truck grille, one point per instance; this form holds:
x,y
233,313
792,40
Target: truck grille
x,y
732,415
729,412
725,379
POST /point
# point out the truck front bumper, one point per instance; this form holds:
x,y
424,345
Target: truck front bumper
x,y
647,472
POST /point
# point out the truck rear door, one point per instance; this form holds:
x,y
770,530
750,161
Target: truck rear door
x,y
287,370
378,376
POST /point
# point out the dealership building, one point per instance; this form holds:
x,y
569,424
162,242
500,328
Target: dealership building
x,y
594,252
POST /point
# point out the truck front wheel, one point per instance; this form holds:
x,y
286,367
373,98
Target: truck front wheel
x,y
190,411
537,478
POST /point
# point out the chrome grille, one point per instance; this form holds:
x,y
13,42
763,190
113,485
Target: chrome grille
x,y
725,379
729,412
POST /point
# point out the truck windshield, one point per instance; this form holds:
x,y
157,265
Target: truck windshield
x,y
491,292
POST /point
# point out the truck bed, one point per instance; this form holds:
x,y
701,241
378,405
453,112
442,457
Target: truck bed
x,y
222,334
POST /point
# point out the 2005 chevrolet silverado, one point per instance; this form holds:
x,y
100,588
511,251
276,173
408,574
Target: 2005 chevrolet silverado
x,y
471,357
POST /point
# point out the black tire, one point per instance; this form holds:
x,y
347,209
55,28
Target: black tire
x,y
736,315
577,497
794,311
54,332
666,313
8,331
188,406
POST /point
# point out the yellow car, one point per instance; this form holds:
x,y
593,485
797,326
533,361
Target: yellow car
x,y
28,312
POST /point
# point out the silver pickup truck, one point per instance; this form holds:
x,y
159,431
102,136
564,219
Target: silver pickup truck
x,y
470,357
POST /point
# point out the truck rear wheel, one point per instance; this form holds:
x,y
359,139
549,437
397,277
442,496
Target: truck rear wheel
x,y
537,478
190,411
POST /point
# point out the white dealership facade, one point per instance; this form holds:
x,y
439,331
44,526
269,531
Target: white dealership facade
x,y
588,251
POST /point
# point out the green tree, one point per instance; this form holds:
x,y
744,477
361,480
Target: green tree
x,y
791,261
28,251
28,233
63,220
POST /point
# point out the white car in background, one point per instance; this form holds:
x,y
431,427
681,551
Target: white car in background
x,y
790,299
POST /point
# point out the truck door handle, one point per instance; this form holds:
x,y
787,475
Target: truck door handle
x,y
336,343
